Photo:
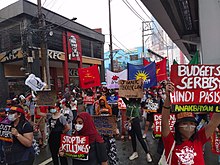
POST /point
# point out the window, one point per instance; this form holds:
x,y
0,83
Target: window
x,y
133,57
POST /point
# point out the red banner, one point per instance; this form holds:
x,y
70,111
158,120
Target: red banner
x,y
75,146
157,124
89,77
195,84
74,47
161,69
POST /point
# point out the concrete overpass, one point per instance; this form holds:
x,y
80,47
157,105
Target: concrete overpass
x,y
191,24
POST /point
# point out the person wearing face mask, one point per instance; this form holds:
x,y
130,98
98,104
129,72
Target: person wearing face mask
x,y
85,126
104,109
188,146
20,151
57,125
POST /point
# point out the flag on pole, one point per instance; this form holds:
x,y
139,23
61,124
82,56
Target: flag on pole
x,y
161,70
195,59
89,77
147,73
112,78
145,62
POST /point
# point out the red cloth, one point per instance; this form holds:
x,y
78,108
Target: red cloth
x,y
188,152
43,109
161,69
89,128
89,77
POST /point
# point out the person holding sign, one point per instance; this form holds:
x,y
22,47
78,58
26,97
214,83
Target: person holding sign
x,y
187,142
20,151
85,126
104,109
58,125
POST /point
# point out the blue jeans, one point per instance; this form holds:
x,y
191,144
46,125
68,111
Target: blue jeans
x,y
90,109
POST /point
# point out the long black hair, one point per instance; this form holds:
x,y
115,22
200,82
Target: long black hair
x,y
177,135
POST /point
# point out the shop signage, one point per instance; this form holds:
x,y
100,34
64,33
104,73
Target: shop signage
x,y
73,72
56,55
11,55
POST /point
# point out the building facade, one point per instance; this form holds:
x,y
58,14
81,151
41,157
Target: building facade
x,y
70,46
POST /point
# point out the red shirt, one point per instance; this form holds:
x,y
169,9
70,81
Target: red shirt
x,y
43,109
187,153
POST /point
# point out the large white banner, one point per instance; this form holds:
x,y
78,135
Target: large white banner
x,y
112,78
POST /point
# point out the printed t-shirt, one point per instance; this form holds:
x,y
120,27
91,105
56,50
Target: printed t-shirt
x,y
187,153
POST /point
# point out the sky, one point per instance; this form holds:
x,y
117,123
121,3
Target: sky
x,y
126,26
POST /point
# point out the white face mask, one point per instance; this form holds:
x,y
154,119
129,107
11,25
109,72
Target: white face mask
x,y
11,117
78,127
188,130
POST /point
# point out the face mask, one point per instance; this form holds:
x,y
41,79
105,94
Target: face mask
x,y
53,110
11,117
78,127
188,129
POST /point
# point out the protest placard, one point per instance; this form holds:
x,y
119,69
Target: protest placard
x,y
157,123
76,147
131,88
151,106
5,132
46,98
197,88
105,125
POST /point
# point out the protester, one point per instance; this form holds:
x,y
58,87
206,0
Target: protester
x,y
133,115
74,106
187,139
85,126
3,119
58,125
104,109
67,113
122,109
88,101
40,122
20,151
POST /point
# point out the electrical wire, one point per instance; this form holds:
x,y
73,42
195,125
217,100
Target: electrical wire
x,y
133,10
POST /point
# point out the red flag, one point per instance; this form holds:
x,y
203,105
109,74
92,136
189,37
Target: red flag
x,y
145,62
89,77
161,70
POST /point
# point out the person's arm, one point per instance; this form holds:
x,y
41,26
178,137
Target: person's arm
x,y
66,128
25,139
165,127
212,125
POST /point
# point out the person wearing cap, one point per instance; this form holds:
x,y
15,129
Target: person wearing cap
x,y
188,146
20,151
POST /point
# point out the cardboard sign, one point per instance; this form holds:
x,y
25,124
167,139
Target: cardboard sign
x,y
5,132
46,98
131,88
157,123
75,146
197,88
105,125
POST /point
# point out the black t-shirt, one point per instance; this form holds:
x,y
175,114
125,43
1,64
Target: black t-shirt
x,y
16,151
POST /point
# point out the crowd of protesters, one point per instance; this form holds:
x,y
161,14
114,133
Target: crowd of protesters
x,y
46,123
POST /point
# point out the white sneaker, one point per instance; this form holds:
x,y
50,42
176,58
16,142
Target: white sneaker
x,y
149,159
133,156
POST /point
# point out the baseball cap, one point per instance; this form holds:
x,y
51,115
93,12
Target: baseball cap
x,y
16,109
185,116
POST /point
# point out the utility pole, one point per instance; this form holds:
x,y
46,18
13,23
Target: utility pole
x,y
110,35
43,45
146,26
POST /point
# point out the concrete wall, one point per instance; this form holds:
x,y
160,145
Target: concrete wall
x,y
209,19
